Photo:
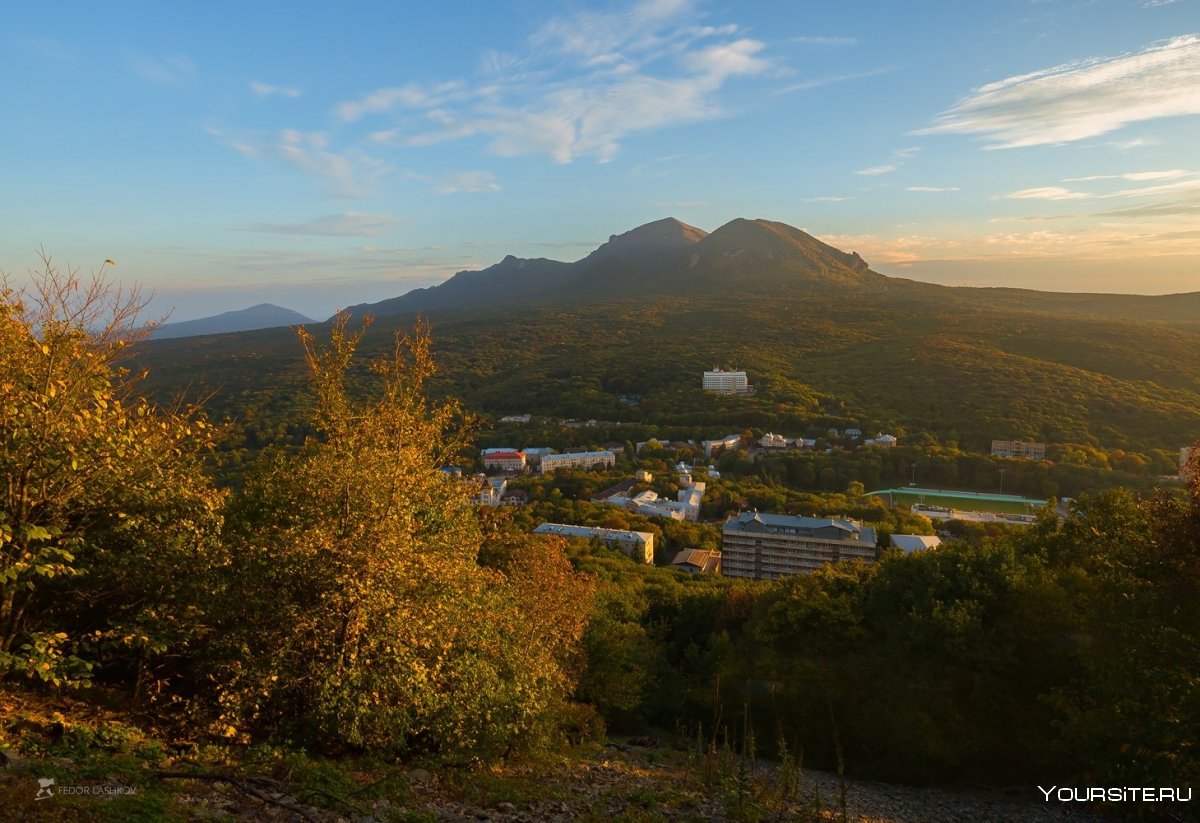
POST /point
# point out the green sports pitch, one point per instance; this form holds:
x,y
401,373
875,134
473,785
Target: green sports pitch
x,y
964,501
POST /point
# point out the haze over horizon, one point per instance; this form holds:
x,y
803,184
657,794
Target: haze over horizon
x,y
228,155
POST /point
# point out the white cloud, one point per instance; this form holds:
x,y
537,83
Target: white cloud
x,y
1155,175
1134,176
1133,143
466,181
1189,184
346,174
344,224
1083,99
932,189
873,171
727,59
411,95
587,81
826,199
163,70
262,90
1047,193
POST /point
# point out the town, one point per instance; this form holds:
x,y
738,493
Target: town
x,y
742,541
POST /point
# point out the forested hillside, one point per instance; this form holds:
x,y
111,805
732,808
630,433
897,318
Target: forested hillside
x,y
346,600
963,376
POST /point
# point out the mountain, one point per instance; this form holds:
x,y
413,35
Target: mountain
x,y
665,258
262,316
625,332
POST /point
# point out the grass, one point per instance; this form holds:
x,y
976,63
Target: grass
x,y
996,504
85,748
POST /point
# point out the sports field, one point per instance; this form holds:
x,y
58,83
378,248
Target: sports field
x,y
965,501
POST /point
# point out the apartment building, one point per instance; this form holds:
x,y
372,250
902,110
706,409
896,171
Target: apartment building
x,y
769,546
509,461
1019,449
725,382
577,460
637,545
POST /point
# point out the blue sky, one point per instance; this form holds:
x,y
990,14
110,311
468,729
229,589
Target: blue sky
x,y
316,155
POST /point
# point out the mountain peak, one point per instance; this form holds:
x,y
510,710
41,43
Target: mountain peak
x,y
771,241
659,238
261,316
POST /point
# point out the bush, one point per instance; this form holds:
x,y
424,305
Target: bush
x,y
359,613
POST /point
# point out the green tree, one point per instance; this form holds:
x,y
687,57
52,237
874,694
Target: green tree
x,y
359,611
108,520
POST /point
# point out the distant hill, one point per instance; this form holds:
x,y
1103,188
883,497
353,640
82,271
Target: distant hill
x,y
262,316
760,258
666,257
624,334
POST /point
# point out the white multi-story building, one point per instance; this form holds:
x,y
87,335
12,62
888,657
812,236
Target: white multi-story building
x,y
577,460
637,545
770,546
687,507
725,382
773,441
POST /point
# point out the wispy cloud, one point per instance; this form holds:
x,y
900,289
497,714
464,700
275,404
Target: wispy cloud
x,y
815,83
459,182
162,70
1187,182
349,173
874,171
932,189
1134,176
1133,143
1047,193
1178,208
344,224
410,95
599,77
1083,99
826,199
262,90
1153,4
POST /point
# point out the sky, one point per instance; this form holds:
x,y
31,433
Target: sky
x,y
317,155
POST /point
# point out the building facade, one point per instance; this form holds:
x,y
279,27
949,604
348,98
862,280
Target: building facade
x,y
636,545
725,382
1019,449
509,461
577,460
769,546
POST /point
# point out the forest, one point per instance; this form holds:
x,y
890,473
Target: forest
x,y
344,595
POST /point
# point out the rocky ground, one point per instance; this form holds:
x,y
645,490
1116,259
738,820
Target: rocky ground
x,y
106,768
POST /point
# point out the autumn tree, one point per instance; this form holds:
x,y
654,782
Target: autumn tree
x,y
359,613
107,518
